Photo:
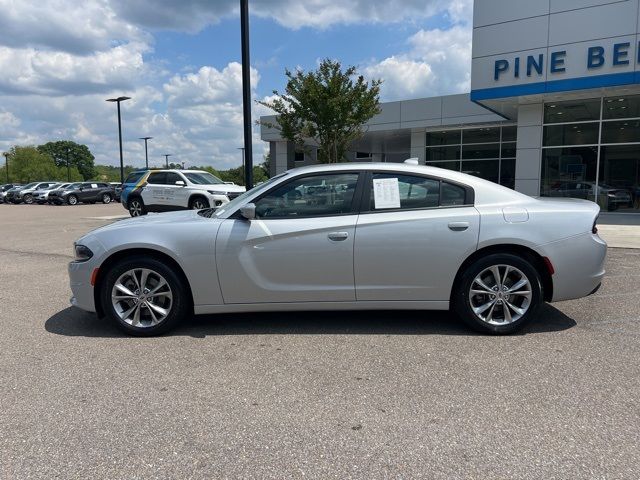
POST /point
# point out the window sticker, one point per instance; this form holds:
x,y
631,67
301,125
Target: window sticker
x,y
386,193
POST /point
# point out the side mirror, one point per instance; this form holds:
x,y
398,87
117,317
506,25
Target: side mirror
x,y
248,211
180,183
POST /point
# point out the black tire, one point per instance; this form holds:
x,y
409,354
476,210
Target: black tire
x,y
72,200
28,199
180,308
136,207
198,203
461,301
106,198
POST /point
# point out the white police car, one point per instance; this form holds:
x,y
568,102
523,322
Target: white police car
x,y
168,190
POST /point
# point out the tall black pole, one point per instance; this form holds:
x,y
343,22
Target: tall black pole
x,y
6,165
68,171
246,93
146,154
120,140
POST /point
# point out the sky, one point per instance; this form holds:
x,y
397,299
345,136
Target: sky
x,y
180,62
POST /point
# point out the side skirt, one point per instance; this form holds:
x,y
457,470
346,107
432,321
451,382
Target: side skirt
x,y
319,306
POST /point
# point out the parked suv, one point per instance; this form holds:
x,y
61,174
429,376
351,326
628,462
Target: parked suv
x,y
166,190
25,194
41,195
85,192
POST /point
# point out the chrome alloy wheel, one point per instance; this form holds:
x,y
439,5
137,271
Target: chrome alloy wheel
x,y
500,295
199,204
141,298
135,208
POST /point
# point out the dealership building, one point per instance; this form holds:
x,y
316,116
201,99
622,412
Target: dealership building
x,y
554,107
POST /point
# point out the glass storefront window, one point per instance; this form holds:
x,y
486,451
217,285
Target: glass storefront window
x,y
446,137
481,135
443,153
572,111
624,131
491,150
619,178
572,134
569,172
508,172
509,134
621,107
448,165
487,169
509,150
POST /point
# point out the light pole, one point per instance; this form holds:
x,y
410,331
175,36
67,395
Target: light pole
x,y
242,150
166,159
6,164
68,171
118,100
246,93
146,152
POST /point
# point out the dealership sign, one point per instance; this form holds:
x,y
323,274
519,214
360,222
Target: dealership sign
x,y
595,57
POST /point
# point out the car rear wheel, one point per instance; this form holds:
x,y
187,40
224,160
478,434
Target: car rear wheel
x,y
106,198
72,200
498,294
144,297
136,207
198,203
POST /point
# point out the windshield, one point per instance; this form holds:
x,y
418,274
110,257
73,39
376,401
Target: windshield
x,y
74,186
30,185
202,178
52,187
238,200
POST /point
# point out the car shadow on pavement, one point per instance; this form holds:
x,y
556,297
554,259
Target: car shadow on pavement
x,y
73,322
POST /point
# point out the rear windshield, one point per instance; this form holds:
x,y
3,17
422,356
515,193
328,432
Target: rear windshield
x,y
134,177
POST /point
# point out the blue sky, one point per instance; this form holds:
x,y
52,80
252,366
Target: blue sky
x,y
179,61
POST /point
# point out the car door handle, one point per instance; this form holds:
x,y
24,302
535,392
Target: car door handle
x,y
458,226
338,236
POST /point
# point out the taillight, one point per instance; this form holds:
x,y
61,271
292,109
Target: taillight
x,y
594,230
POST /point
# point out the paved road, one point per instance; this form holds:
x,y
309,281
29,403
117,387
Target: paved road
x,y
340,395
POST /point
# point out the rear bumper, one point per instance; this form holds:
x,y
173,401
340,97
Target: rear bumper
x,y
579,265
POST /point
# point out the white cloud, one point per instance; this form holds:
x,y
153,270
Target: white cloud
x,y
438,62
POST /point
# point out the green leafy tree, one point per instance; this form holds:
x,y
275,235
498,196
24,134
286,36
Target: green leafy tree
x,y
27,164
328,106
79,156
110,173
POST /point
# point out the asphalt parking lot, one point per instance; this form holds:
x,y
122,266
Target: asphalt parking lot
x,y
322,395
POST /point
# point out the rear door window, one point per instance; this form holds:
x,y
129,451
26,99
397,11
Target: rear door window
x,y
157,178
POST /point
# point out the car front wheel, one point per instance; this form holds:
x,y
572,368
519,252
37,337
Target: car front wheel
x,y
106,198
28,199
498,294
199,203
72,200
144,297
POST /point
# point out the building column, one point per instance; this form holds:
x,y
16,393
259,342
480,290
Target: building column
x,y
280,156
418,145
529,149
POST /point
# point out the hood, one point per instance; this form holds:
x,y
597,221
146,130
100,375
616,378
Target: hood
x,y
170,218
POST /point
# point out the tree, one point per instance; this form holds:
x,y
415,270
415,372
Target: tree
x,y
27,164
79,156
328,106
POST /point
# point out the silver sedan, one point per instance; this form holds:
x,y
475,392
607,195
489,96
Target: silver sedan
x,y
346,237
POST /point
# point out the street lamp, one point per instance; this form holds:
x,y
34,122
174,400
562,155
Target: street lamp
x,y
6,164
118,100
68,171
146,152
246,93
166,159
242,150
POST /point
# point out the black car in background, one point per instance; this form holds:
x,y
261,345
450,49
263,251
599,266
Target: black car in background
x,y
5,188
83,192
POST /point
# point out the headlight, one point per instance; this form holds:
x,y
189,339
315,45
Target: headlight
x,y
214,192
82,253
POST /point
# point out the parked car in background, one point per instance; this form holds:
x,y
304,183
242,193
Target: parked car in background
x,y
117,189
83,192
41,195
167,190
25,194
611,198
397,237
5,188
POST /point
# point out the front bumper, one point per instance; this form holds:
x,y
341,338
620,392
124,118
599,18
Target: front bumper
x,y
80,283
